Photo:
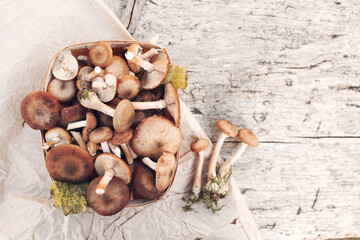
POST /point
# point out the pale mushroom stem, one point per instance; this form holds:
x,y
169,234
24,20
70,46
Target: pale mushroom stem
x,y
115,149
225,167
108,175
149,105
133,154
214,156
78,138
150,163
75,125
101,85
105,147
149,54
82,58
140,62
90,100
47,145
127,153
96,72
197,180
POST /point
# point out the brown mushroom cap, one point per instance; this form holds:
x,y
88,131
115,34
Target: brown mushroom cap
x,y
165,170
137,51
72,114
247,137
120,138
128,87
101,54
65,67
115,198
40,110
101,134
123,116
151,80
69,163
118,67
154,136
173,103
106,161
91,121
227,128
63,91
199,145
144,182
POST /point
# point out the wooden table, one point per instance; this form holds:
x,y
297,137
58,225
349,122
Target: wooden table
x,y
289,71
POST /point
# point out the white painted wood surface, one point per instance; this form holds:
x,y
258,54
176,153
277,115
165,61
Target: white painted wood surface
x,y
288,70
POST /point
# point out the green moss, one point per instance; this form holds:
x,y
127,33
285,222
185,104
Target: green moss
x,y
85,94
177,75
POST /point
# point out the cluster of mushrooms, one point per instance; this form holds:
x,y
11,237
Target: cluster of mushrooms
x,y
107,118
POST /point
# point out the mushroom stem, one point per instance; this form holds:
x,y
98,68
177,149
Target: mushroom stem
x,y
197,180
149,105
82,58
108,175
115,149
101,85
127,153
96,72
133,154
105,147
149,54
225,167
140,62
74,125
47,145
150,163
78,138
214,156
89,99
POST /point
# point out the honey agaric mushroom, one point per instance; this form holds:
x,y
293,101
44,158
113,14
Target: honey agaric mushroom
x,y
85,75
123,114
154,136
105,88
56,136
144,182
71,114
149,54
122,139
40,110
170,102
115,198
78,138
65,67
135,49
101,54
128,87
101,135
92,148
89,124
109,165
164,168
118,67
63,91
69,163
198,146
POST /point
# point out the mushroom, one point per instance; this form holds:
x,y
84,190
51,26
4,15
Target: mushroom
x,y
115,149
118,67
63,91
71,114
143,96
164,168
78,138
56,136
109,165
154,136
149,54
105,88
128,87
106,120
115,198
65,67
121,139
123,115
40,110
101,135
101,54
92,148
170,102
69,163
136,50
199,146
144,182
85,75
89,124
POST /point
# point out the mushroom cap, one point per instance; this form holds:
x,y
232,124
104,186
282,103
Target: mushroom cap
x,y
101,134
165,170
144,96
63,91
65,67
101,54
136,49
144,182
123,116
173,103
69,163
91,121
106,161
199,145
40,110
118,67
128,87
120,138
72,114
248,137
154,136
58,132
151,80
227,128
115,198
108,93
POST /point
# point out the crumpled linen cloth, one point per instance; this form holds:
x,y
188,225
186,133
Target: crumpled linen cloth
x,y
32,32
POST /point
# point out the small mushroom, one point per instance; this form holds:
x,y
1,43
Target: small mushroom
x,y
109,165
92,148
151,80
144,182
56,136
199,146
154,136
105,88
71,114
164,168
89,124
122,139
101,135
118,67
40,110
128,87
115,198
101,54
65,67
85,75
69,163
135,49
63,91
78,138
149,54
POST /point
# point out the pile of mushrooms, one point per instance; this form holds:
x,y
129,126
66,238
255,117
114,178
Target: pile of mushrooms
x,y
107,118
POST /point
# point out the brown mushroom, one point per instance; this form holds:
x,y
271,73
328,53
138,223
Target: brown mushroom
x,y
199,146
136,49
89,124
40,110
118,67
92,148
56,136
144,182
122,139
101,54
69,163
101,135
63,91
115,198
65,67
151,80
85,75
71,114
128,87
154,136
105,88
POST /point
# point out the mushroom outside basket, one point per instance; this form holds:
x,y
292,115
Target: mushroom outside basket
x,y
81,47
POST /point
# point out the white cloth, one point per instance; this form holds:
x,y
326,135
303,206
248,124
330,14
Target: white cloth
x,y
32,32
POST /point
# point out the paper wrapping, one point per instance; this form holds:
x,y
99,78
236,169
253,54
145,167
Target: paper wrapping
x,y
32,33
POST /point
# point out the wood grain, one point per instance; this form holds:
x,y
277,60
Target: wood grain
x,y
288,70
